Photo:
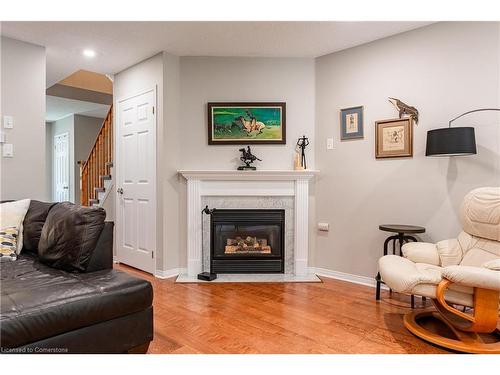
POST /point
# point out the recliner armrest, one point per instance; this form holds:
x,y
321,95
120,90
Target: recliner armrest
x,y
421,252
493,265
476,277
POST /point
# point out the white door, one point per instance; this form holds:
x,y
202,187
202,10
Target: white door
x,y
61,167
136,177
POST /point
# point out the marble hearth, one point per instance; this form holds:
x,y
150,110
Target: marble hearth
x,y
288,190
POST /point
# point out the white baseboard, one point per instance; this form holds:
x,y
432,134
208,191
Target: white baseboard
x,y
160,274
355,279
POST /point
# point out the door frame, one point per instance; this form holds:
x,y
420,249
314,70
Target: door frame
x,y
117,164
54,184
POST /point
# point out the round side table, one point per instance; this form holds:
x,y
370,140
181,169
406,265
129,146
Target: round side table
x,y
404,235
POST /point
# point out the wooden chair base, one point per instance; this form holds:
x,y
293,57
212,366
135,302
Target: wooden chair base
x,y
431,326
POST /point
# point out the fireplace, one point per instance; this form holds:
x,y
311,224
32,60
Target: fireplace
x,y
247,241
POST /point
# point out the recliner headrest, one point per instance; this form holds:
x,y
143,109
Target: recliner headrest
x,y
480,213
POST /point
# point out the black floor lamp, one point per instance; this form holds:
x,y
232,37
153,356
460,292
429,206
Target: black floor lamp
x,y
453,141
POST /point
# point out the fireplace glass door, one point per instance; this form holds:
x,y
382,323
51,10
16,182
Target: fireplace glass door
x,y
247,241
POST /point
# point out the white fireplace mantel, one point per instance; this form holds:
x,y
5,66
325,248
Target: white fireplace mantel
x,y
202,183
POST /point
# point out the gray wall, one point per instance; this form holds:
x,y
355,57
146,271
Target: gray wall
x,y
48,158
444,69
86,129
23,97
171,155
82,132
212,79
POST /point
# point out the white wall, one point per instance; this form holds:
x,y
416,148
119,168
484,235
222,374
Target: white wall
x,y
212,79
444,69
23,97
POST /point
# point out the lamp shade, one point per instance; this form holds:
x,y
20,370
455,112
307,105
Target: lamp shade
x,y
451,142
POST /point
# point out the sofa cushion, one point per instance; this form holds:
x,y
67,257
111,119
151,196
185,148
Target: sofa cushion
x,y
38,301
12,215
69,236
33,224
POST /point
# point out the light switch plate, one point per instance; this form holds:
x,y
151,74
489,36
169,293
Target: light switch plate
x,y
8,150
329,143
8,122
324,227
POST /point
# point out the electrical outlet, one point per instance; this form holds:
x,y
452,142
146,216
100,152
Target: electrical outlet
x,y
329,143
8,122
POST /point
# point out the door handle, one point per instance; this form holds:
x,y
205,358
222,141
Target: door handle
x,y
119,191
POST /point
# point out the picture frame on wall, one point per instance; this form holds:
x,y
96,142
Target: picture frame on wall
x,y
246,123
394,138
351,123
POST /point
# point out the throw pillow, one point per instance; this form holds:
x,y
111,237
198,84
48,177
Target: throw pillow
x,y
33,224
12,215
8,243
69,236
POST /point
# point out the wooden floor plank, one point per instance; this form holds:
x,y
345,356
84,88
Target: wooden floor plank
x,y
329,317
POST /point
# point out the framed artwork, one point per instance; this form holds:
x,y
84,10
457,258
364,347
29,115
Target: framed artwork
x,y
351,123
246,123
394,138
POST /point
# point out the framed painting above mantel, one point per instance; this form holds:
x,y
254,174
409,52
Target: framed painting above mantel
x,y
246,123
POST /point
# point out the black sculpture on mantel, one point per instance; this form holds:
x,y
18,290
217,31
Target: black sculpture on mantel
x,y
248,158
302,143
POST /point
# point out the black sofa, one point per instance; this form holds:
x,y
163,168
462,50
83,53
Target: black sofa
x,y
48,309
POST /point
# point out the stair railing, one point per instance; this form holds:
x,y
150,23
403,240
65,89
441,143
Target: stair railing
x,y
98,163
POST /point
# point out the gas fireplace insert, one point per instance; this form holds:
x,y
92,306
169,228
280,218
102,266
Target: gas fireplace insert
x,y
247,241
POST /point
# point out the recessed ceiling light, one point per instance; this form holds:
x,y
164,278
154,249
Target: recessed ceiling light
x,y
88,53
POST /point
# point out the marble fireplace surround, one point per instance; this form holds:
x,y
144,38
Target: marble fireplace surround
x,y
250,189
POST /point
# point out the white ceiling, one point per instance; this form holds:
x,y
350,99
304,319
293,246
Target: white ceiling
x,y
57,108
122,44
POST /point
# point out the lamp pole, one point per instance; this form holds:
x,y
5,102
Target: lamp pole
x,y
474,110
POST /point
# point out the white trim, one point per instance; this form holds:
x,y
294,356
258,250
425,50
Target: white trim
x,y
160,274
235,175
237,183
355,279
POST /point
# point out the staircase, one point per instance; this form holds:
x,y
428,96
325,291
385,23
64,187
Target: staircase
x,y
96,179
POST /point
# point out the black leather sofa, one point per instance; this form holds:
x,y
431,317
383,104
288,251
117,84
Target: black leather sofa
x,y
48,309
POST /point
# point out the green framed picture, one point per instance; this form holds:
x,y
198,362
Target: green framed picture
x,y
246,123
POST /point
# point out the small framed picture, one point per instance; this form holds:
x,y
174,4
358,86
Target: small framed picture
x,y
351,123
394,138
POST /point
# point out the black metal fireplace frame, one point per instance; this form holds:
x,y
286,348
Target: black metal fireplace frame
x,y
241,263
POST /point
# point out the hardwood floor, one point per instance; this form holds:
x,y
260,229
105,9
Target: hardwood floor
x,y
329,317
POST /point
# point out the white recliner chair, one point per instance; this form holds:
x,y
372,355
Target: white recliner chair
x,y
463,271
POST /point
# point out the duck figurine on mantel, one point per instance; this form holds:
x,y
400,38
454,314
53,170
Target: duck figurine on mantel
x,y
248,158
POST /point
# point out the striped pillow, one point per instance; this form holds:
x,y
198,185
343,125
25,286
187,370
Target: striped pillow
x,y
8,243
